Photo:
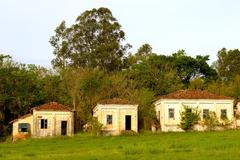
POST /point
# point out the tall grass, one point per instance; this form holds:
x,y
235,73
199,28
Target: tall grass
x,y
174,146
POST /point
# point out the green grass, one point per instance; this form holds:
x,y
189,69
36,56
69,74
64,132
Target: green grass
x,y
162,146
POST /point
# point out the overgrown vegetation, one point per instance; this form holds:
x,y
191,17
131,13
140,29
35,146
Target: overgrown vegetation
x,y
93,126
211,121
92,62
189,117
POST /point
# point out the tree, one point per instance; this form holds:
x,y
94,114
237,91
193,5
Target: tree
x,y
197,83
146,111
144,51
156,74
86,87
228,63
23,87
233,87
189,117
189,68
95,40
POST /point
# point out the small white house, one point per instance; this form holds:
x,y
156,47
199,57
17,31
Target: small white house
x,y
117,115
50,119
169,107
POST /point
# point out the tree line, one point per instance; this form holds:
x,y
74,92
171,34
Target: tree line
x,y
92,62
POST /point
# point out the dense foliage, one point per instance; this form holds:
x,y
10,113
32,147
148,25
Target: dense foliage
x,y
95,40
91,63
189,117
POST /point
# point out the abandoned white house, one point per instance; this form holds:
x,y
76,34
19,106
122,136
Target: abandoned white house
x,y
46,120
117,115
169,107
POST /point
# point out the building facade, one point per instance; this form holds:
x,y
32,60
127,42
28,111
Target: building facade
x,y
169,107
117,115
50,119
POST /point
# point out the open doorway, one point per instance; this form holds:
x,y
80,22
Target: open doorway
x,y
64,128
128,122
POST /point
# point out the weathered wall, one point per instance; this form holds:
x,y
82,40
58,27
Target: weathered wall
x,y
172,124
118,113
54,123
28,119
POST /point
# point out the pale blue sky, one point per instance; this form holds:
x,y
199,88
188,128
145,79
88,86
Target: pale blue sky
x,y
198,26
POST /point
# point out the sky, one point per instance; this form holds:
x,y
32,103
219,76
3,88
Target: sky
x,y
200,27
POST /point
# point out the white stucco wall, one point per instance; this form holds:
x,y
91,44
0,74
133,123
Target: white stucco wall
x,y
118,112
28,119
170,124
54,119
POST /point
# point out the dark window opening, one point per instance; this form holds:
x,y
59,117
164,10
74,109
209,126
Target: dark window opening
x,y
44,123
205,113
109,119
170,113
223,113
23,127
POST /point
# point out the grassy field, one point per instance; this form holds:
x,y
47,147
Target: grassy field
x,y
195,145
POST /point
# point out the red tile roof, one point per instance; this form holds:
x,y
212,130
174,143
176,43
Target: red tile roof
x,y
115,101
52,106
192,94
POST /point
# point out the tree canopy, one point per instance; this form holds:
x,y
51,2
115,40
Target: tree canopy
x,y
228,63
95,40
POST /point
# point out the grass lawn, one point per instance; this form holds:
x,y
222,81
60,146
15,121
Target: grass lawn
x,y
194,145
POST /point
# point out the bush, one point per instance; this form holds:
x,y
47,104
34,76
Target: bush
x,y
226,123
129,133
189,117
93,126
211,122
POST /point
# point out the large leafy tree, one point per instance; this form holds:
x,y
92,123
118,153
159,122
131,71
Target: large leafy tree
x,y
95,40
189,68
156,74
228,63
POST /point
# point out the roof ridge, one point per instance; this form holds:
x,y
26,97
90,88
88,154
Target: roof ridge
x,y
54,106
193,94
115,100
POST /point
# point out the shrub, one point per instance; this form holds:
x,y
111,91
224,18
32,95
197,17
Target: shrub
x,y
226,123
189,117
93,126
211,121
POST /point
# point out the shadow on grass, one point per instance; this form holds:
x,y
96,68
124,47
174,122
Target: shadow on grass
x,y
134,151
30,155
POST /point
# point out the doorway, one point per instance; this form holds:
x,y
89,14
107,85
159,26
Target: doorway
x,y
128,122
64,128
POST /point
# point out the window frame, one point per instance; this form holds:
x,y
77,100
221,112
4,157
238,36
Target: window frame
x,y
109,119
43,124
23,129
171,113
223,116
204,116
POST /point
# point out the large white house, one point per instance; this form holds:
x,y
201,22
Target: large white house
x,y
169,107
117,115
